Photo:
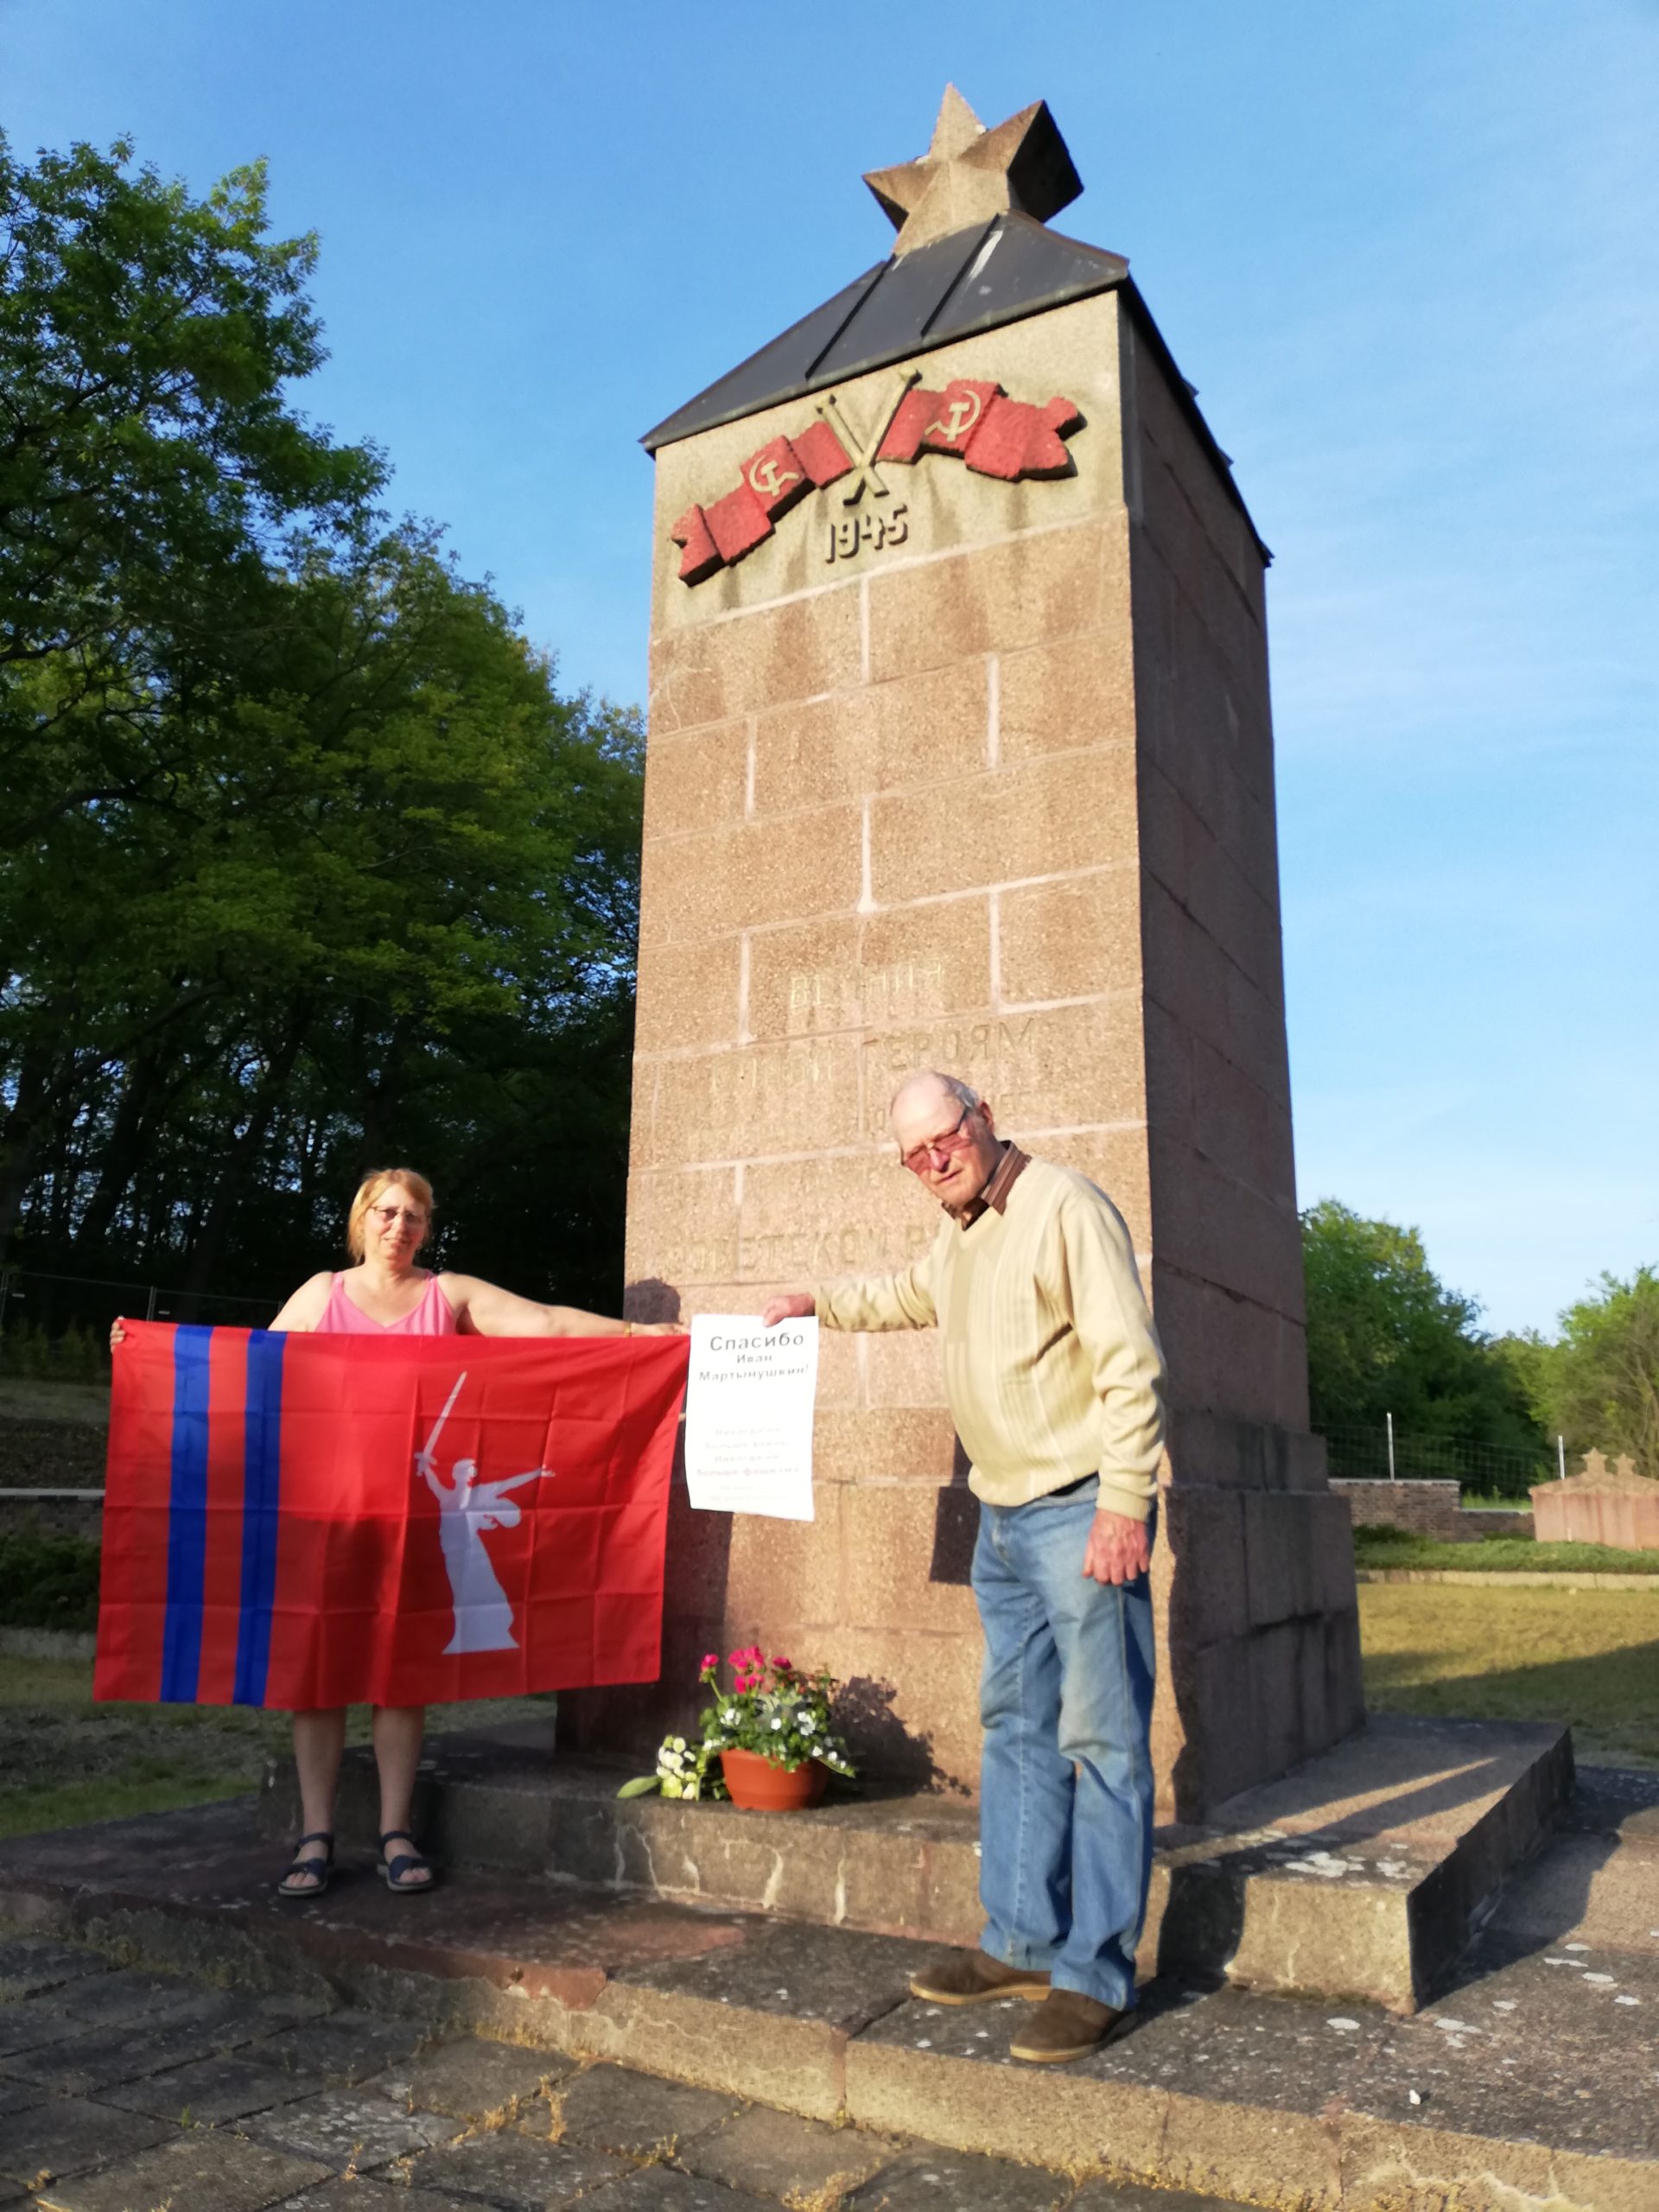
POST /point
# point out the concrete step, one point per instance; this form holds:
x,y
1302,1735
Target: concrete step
x,y
1360,1874
1283,2103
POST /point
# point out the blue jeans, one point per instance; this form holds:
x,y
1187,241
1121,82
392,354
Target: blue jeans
x,y
1066,1805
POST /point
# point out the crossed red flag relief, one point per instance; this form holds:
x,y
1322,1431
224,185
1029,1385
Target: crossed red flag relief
x,y
989,433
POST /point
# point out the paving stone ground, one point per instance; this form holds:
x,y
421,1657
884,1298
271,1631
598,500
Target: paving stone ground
x,y
365,2082
123,2091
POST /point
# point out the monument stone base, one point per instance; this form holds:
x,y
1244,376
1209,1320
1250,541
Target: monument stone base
x,y
1360,1874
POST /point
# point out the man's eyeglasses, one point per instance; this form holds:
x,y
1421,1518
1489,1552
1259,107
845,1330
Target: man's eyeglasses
x,y
939,1151
389,1217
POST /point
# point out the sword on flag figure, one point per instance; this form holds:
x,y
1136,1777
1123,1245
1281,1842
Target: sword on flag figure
x,y
467,1508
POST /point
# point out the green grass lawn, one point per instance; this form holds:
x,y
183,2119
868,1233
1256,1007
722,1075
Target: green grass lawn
x,y
63,1759
1495,1554
1589,1657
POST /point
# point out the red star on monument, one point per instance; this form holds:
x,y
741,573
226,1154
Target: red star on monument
x,y
969,173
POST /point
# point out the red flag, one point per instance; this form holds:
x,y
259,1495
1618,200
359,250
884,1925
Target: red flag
x,y
701,557
937,422
1015,439
305,1521
994,434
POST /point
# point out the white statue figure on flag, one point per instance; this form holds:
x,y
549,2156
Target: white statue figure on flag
x,y
466,1508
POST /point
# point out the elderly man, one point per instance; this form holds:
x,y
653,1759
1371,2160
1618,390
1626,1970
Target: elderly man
x,y
1054,1378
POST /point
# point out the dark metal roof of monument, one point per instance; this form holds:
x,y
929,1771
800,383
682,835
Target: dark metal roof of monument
x,y
974,280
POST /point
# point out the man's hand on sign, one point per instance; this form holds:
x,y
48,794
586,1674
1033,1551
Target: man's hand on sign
x,y
1118,1548
790,1305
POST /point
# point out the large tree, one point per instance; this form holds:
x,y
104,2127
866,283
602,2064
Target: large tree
x,y
307,862
1386,1335
150,455
1598,1383
150,463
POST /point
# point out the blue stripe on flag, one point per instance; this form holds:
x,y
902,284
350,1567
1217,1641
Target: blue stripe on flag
x,y
262,1468
186,1523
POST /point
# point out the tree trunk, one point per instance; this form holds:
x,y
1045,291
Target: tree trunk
x,y
145,1097
21,1135
241,1156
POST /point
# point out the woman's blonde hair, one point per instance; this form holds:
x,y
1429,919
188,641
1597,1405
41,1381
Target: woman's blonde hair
x,y
377,1179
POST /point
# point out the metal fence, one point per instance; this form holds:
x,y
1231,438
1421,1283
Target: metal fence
x,y
57,1326
1384,1454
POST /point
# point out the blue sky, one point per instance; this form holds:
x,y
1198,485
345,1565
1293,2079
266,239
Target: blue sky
x,y
1409,254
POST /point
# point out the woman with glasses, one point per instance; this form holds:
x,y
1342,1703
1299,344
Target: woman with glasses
x,y
384,1293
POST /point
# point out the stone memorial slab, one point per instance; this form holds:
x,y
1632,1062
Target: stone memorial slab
x,y
1601,1504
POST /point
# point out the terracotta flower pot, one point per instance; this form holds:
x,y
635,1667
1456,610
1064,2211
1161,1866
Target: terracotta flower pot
x,y
759,1787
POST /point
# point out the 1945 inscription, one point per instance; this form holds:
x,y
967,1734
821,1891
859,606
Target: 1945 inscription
x,y
875,533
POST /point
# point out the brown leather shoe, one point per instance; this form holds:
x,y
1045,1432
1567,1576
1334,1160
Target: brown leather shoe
x,y
1066,2025
975,1978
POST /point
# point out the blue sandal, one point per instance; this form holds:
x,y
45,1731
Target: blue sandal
x,y
320,1869
391,1871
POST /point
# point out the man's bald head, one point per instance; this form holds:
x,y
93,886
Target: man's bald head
x,y
926,1088
945,1135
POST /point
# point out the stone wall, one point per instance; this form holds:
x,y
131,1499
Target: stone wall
x,y
1475,1521
1427,1509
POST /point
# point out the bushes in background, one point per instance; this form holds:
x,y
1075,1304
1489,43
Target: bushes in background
x,y
48,1582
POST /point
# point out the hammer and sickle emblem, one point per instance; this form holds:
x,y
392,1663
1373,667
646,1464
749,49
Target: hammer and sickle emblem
x,y
766,481
963,414
862,453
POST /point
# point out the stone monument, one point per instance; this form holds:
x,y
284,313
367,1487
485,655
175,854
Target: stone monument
x,y
1599,1506
960,755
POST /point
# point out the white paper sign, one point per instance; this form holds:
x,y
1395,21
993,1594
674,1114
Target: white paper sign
x,y
748,1415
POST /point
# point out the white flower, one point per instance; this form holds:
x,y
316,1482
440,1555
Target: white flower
x,y
728,1719
778,1720
679,1743
805,1723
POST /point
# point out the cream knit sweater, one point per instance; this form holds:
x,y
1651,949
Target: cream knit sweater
x,y
1053,1367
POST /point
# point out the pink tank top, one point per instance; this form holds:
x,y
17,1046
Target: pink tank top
x,y
433,1317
